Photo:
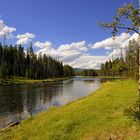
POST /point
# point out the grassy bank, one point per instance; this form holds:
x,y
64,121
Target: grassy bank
x,y
99,116
22,80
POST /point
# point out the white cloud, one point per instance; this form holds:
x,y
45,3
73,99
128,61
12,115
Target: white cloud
x,y
77,54
48,51
80,46
6,30
69,52
121,49
134,36
42,45
74,54
25,38
46,48
117,46
65,52
109,43
116,53
88,61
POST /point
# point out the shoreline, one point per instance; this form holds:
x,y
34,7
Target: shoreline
x,y
30,81
103,77
22,80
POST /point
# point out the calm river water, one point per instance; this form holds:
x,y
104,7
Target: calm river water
x,y
18,102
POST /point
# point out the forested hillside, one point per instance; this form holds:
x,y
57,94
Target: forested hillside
x,y
14,61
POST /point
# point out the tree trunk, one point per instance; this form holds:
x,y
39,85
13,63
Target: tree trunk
x,y
139,65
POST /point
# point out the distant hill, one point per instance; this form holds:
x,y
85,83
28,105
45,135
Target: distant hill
x,y
86,72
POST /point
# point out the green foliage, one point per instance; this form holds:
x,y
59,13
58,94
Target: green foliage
x,y
86,72
127,66
132,59
68,71
14,62
133,112
126,15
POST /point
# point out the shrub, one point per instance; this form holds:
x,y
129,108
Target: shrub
x,y
133,112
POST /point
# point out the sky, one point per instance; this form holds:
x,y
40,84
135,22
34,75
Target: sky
x,y
64,29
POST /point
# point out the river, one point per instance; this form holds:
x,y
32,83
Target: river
x,y
18,102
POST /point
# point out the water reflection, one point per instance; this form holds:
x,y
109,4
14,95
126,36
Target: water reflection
x,y
20,101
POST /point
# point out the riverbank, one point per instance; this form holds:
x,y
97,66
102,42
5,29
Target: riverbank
x,y
98,116
22,80
106,77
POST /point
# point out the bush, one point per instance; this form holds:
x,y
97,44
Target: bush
x,y
133,112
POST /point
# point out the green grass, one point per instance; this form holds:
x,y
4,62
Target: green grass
x,y
99,116
23,80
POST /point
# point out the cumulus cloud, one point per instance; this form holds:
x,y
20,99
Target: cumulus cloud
x,y
116,47
80,46
116,53
43,45
77,54
49,52
121,49
25,38
65,52
69,52
109,43
134,36
46,48
6,30
88,61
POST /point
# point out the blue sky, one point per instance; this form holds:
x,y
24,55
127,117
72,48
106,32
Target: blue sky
x,y
61,22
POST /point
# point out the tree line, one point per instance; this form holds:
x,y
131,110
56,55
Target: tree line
x,y
86,72
125,65
15,62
